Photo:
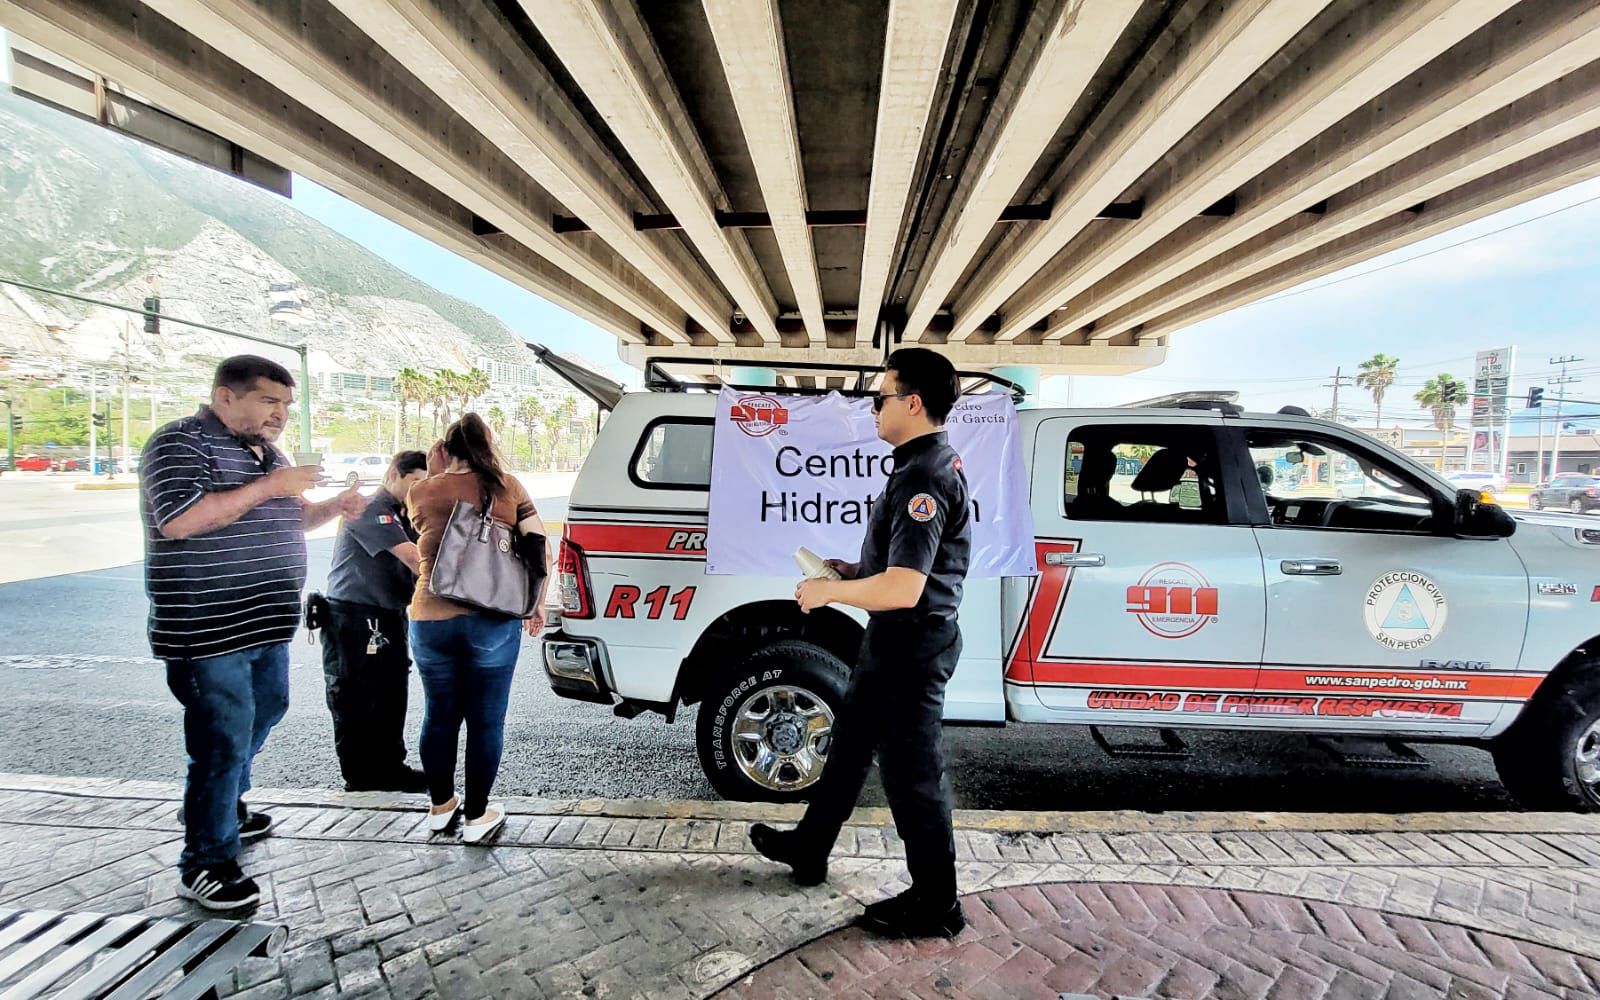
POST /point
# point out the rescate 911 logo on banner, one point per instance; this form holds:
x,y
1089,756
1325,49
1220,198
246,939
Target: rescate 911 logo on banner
x,y
758,416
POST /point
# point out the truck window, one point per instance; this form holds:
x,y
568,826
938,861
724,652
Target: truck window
x,y
1310,481
1142,473
674,453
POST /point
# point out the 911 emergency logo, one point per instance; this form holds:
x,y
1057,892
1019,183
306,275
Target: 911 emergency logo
x,y
922,507
1405,610
758,416
1173,601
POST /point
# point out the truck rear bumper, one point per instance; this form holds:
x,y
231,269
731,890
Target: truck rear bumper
x,y
573,666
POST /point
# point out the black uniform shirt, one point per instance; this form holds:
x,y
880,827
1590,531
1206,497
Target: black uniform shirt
x,y
922,522
364,570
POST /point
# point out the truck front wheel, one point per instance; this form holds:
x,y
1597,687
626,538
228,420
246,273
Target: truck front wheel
x,y
766,725
1550,758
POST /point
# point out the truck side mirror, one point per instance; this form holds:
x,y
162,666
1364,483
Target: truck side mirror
x,y
1476,519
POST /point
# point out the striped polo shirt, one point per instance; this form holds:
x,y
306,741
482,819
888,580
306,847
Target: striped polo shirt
x,y
232,589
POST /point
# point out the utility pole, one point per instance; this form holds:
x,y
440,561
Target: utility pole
x,y
126,388
1339,379
1561,394
94,377
11,436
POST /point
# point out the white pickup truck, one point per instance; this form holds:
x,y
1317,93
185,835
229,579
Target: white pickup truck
x,y
1199,567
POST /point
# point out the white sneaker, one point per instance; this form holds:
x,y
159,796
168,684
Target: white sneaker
x,y
485,826
437,821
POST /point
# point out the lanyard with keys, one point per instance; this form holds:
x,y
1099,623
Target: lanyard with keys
x,y
377,640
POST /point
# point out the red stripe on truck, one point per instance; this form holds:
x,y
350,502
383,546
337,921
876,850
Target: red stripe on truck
x,y
685,540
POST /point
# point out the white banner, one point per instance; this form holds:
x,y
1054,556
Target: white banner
x,y
792,470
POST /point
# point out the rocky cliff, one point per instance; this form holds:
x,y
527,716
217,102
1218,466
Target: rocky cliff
x,y
105,216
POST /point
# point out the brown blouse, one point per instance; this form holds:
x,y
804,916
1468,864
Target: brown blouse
x,y
429,506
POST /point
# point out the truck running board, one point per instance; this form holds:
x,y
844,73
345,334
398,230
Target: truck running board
x,y
1172,747
1358,752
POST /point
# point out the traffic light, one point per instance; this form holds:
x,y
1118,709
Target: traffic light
x,y
152,314
16,424
1535,397
99,419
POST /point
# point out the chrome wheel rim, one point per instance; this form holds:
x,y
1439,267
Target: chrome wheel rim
x,y
1586,757
1577,506
781,737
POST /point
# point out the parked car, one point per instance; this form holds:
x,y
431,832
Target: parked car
x,y
33,463
1486,481
1410,610
352,470
1574,491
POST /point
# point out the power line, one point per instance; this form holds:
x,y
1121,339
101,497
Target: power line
x,y
1429,253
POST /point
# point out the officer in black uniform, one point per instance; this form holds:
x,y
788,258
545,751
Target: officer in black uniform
x,y
365,659
909,581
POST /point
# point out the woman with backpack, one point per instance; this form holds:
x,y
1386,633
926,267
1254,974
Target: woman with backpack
x,y
466,656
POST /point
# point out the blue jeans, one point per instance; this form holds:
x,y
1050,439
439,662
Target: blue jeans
x,y
230,704
466,664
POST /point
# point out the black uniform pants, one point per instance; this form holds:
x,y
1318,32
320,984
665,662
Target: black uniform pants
x,y
895,706
366,692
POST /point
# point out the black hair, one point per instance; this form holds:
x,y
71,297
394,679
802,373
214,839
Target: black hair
x,y
468,439
930,375
241,371
404,463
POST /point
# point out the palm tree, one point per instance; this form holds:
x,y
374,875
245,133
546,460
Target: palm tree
x,y
439,396
1376,376
470,386
556,425
532,412
412,387
1440,396
497,421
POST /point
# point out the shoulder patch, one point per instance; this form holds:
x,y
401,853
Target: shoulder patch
x,y
922,507
956,465
387,519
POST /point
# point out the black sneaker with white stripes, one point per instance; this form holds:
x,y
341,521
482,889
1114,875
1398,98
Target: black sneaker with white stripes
x,y
221,887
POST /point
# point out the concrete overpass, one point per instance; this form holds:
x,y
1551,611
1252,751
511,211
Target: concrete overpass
x,y
1060,183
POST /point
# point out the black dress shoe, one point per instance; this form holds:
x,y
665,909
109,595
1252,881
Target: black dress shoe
x,y
906,920
782,846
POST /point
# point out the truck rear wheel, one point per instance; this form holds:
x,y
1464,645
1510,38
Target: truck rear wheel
x,y
1550,759
766,725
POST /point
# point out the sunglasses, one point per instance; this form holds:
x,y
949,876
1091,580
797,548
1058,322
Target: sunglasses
x,y
884,397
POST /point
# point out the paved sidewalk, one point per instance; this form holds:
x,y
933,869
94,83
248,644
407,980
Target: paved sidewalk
x,y
663,899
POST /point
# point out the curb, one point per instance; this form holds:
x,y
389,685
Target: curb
x,y
103,487
991,821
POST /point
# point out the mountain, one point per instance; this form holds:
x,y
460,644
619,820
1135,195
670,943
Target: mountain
x,y
102,215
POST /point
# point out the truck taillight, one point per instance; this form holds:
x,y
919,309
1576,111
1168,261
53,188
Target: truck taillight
x,y
1593,491
572,576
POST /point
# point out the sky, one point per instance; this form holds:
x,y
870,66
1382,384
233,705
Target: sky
x,y
1527,278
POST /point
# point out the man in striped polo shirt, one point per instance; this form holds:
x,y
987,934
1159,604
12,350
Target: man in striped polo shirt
x,y
225,559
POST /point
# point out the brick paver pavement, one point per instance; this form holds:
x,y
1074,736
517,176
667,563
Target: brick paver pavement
x,y
664,899
1097,939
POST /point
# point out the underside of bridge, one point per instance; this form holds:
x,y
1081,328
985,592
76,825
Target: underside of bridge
x,y
1062,183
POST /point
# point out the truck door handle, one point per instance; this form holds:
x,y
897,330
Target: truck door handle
x,y
1074,559
1311,567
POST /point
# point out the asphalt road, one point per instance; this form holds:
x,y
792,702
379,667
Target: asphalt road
x,y
80,696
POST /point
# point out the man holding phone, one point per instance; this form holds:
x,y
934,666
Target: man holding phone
x,y
225,560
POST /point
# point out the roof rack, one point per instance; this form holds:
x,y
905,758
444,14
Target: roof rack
x,y
658,379
1224,401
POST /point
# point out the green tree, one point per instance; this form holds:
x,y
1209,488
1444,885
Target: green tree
x,y
497,422
470,386
1376,376
531,411
558,423
412,387
1441,396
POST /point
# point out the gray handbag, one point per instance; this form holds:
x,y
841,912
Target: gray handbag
x,y
483,564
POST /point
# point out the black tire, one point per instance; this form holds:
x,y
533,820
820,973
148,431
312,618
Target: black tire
x,y
1538,758
352,480
819,678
